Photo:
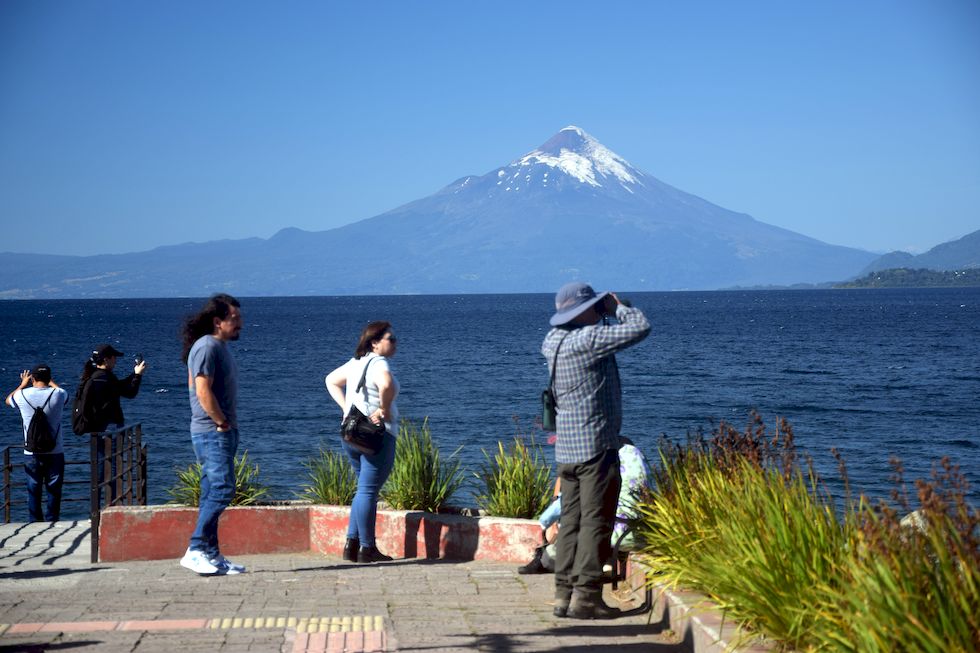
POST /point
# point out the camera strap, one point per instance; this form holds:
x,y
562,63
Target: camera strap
x,y
554,364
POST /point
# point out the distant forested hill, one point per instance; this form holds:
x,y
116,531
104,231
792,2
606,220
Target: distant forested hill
x,y
921,278
960,254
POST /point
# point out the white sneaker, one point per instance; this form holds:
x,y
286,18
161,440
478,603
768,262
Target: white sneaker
x,y
196,562
226,566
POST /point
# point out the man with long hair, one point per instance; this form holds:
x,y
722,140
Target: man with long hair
x,y
212,381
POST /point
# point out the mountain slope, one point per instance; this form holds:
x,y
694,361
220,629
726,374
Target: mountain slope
x,y
570,209
960,254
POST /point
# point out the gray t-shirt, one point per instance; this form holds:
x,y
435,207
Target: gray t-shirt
x,y
54,408
212,358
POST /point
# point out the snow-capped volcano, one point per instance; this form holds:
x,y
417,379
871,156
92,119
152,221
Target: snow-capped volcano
x,y
579,156
569,209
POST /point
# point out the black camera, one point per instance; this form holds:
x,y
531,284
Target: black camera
x,y
138,359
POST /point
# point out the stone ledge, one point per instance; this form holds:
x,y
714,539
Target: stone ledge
x,y
694,618
161,532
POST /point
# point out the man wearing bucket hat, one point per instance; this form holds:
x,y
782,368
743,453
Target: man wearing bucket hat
x,y
580,350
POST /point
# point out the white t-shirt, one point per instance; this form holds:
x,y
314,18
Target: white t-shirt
x,y
353,370
54,408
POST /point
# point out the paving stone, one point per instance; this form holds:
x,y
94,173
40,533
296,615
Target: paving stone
x,y
425,605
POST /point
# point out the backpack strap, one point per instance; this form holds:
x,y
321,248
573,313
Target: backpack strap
x,y
43,406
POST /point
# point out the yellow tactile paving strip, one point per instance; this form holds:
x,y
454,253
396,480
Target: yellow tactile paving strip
x,y
350,624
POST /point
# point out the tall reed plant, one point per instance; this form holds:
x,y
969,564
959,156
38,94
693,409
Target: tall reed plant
x,y
516,481
248,491
738,527
420,479
330,479
912,584
740,519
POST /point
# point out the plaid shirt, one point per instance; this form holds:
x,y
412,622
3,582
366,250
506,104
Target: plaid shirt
x,y
587,392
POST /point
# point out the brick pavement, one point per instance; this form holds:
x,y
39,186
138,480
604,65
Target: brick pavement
x,y
52,598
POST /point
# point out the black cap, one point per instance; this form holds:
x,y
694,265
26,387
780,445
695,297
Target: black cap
x,y
41,372
103,352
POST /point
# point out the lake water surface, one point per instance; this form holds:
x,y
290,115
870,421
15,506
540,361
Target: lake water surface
x,y
875,373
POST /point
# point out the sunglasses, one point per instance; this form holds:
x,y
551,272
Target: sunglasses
x,y
390,338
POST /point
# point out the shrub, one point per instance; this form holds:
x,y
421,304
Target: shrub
x,y
332,480
913,584
420,479
738,519
729,521
516,481
248,491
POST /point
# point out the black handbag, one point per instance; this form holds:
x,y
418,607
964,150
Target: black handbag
x,y
549,406
357,430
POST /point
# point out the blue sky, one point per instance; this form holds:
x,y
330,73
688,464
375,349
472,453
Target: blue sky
x,y
129,125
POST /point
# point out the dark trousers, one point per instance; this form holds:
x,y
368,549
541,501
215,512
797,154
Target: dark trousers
x,y
44,470
589,492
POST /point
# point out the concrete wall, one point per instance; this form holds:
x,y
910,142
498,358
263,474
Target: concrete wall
x,y
161,532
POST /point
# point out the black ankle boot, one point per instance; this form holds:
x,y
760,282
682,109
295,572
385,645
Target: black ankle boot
x,y
371,554
535,566
350,549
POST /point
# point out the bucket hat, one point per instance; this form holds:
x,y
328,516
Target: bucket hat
x,y
572,300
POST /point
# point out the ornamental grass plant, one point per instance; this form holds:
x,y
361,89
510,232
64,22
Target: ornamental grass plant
x,y
420,478
913,584
332,480
735,518
248,491
738,518
516,481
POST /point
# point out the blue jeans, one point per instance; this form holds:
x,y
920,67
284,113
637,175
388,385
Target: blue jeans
x,y
44,470
215,452
372,472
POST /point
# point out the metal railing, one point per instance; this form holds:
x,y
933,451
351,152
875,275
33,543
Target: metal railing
x,y
8,480
117,476
118,464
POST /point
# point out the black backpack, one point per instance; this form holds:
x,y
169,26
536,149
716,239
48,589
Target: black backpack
x,y
40,438
80,419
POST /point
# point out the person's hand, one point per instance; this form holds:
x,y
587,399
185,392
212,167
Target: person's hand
x,y
612,301
377,416
25,378
140,367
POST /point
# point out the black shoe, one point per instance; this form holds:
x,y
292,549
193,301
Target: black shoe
x,y
583,607
371,554
535,566
350,549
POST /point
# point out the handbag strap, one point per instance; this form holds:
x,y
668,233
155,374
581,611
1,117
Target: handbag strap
x,y
361,383
554,363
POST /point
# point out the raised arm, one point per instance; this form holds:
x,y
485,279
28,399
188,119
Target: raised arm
x,y
25,380
632,328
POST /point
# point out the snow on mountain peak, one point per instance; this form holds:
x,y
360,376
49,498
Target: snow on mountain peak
x,y
581,156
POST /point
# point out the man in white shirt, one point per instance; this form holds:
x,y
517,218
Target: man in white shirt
x,y
44,469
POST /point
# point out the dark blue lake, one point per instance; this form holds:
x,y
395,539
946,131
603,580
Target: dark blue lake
x,y
875,373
